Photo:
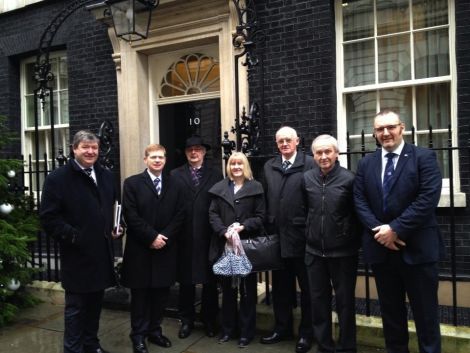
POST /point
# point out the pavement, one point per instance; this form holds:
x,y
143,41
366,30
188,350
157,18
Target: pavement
x,y
40,330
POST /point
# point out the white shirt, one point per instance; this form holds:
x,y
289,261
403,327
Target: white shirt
x,y
92,175
153,177
291,160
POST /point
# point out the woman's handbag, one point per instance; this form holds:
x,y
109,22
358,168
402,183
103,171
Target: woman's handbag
x,y
233,261
264,252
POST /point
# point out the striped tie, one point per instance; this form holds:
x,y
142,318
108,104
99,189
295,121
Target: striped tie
x,y
156,183
88,172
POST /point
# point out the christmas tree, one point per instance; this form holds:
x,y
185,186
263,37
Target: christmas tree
x,y
18,229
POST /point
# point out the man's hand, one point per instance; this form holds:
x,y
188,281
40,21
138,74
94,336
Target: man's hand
x,y
117,232
159,242
387,237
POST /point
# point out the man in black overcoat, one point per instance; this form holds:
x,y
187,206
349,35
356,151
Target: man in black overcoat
x,y
154,213
286,215
197,177
77,211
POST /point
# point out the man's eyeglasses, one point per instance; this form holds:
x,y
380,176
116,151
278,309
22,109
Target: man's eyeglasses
x,y
390,128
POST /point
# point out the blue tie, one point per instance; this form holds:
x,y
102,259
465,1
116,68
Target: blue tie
x,y
156,182
388,175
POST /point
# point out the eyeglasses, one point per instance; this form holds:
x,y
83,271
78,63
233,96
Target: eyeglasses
x,y
390,128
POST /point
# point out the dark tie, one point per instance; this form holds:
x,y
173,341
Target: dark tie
x,y
388,175
156,183
285,165
195,176
88,172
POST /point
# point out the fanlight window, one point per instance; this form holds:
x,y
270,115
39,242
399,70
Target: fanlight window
x,y
191,74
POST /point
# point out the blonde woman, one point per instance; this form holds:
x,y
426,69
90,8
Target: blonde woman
x,y
238,203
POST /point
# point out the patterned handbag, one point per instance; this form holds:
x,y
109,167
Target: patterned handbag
x,y
232,263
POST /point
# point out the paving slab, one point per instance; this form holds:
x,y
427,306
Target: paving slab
x,y
40,330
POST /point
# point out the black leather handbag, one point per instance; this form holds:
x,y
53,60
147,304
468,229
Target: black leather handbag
x,y
264,252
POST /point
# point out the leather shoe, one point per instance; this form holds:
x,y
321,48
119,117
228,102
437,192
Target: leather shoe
x,y
160,340
210,330
96,350
224,338
303,345
185,330
274,338
140,347
243,342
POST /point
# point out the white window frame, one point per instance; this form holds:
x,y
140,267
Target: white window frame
x,y
61,129
459,197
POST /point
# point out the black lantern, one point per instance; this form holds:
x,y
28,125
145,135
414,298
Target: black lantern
x,y
131,18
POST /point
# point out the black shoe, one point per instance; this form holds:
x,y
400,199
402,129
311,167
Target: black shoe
x,y
274,338
185,330
210,330
95,350
140,347
303,345
243,342
160,340
224,338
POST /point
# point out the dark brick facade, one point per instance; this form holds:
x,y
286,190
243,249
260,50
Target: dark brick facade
x,y
92,76
296,80
298,68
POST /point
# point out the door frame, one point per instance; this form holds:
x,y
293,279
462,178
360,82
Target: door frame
x,y
175,26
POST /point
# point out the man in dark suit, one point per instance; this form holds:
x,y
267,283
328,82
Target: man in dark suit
x,y
286,215
77,211
197,177
154,212
396,191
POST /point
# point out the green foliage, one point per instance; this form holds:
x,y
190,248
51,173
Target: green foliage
x,y
17,230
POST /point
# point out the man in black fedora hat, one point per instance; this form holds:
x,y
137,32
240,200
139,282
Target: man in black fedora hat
x,y
198,177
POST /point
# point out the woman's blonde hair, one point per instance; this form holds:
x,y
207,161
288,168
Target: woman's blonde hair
x,y
240,156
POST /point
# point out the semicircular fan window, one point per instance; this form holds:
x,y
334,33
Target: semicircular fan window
x,y
191,74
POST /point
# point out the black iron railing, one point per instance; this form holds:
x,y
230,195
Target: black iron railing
x,y
45,254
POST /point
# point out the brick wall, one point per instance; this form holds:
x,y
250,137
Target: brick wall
x,y
92,76
296,80
298,65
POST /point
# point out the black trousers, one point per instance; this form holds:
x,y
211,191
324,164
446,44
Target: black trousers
x,y
147,309
209,303
326,275
81,321
243,319
284,291
395,280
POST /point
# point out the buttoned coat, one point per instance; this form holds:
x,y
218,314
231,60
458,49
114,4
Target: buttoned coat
x,y
194,240
79,215
414,194
247,207
286,212
148,214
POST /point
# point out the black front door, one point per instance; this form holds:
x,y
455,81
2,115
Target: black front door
x,y
181,120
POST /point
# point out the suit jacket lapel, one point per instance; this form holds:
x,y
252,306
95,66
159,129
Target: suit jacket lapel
x,y
402,160
378,171
187,177
148,181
